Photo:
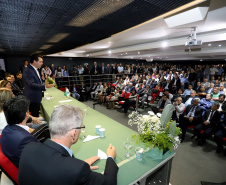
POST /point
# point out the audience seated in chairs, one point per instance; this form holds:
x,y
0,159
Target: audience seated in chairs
x,y
206,103
170,96
211,120
187,92
146,94
191,116
74,92
175,84
179,109
156,92
83,92
201,92
215,93
102,94
188,99
129,102
93,89
161,104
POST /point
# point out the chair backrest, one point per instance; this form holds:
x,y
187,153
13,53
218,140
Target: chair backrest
x,y
127,95
123,94
8,167
63,89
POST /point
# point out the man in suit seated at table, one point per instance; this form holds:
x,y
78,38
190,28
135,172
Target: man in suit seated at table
x,y
53,163
191,116
16,134
211,119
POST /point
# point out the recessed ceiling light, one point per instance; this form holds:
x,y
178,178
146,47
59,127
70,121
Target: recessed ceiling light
x,y
158,57
131,57
149,56
219,45
140,58
109,51
164,44
87,55
138,52
209,44
126,53
201,60
121,54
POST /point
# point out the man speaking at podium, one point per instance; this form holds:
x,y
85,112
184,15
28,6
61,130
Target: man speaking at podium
x,y
33,86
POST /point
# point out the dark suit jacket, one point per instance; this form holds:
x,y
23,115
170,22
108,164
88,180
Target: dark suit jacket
x,y
187,97
114,70
13,140
178,84
215,118
97,69
33,87
197,115
50,164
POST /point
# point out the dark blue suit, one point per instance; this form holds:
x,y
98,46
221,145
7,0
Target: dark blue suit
x,y
33,86
13,140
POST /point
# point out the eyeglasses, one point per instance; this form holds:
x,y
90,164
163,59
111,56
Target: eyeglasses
x,y
79,127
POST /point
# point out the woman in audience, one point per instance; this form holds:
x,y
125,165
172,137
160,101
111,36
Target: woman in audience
x,y
156,91
5,94
114,97
102,94
59,76
6,84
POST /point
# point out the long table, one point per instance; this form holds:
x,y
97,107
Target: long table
x,y
130,170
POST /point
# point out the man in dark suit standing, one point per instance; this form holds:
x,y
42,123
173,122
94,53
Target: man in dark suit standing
x,y
211,119
24,66
53,163
191,116
16,134
33,86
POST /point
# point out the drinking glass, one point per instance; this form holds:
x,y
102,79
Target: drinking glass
x,y
128,144
85,109
83,131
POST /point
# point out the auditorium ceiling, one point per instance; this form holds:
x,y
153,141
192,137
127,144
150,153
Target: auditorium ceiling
x,y
54,26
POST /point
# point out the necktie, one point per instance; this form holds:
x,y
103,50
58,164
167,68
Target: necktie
x,y
191,111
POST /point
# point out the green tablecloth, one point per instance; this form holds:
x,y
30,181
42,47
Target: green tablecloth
x,y
116,133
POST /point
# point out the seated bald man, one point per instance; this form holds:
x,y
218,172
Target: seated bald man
x,y
52,163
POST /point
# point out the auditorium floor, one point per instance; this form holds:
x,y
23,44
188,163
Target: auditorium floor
x,y
192,163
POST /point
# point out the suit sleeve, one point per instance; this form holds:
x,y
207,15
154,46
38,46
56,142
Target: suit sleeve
x,y
109,177
199,114
29,80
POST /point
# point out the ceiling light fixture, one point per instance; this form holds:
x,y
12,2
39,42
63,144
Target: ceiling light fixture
x,y
201,60
209,44
164,44
109,52
219,45
126,53
138,52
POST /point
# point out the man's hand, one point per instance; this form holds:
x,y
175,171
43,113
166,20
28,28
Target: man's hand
x,y
206,122
92,160
111,151
31,130
49,85
190,119
35,120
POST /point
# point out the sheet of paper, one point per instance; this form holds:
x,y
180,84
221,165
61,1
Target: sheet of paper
x,y
102,154
64,101
89,138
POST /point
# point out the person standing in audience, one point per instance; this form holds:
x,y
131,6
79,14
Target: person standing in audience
x,y
184,81
211,120
213,70
207,72
16,134
24,66
191,116
53,69
19,81
192,77
120,69
61,166
95,69
64,71
178,109
114,69
46,71
33,86
59,76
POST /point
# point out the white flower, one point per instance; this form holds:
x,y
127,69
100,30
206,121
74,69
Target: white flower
x,y
151,113
159,115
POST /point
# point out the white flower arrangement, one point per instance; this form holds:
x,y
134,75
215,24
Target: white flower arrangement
x,y
153,133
